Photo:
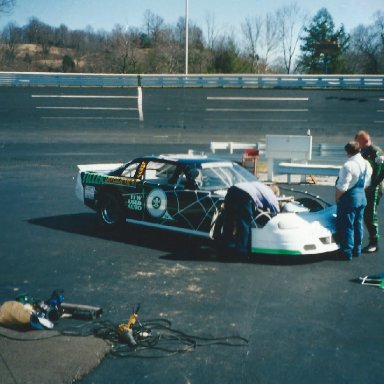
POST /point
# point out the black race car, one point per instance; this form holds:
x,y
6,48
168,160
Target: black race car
x,y
185,193
177,192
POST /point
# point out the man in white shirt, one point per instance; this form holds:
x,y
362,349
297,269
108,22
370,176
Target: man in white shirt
x,y
354,177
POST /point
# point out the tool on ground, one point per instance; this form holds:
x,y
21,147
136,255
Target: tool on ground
x,y
125,330
26,311
80,311
375,280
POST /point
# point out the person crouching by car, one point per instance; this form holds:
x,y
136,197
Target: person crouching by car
x,y
239,204
354,177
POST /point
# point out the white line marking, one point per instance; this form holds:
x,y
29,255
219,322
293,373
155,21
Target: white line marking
x,y
83,97
234,98
253,110
86,118
140,103
261,120
91,108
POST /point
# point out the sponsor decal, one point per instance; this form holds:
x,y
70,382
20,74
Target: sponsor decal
x,y
120,180
135,202
93,178
89,192
157,203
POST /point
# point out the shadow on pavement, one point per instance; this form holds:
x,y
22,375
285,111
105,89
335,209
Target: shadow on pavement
x,y
85,224
178,246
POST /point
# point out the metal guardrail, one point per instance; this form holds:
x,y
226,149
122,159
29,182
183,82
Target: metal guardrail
x,y
66,80
263,81
191,81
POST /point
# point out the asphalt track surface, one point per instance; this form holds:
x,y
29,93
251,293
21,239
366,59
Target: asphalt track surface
x,y
305,319
185,116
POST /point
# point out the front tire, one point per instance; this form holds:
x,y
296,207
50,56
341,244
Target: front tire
x,y
110,211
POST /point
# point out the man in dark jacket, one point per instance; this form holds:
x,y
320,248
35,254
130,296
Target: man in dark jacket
x,y
240,203
373,193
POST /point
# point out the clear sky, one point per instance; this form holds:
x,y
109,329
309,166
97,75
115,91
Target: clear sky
x,y
228,14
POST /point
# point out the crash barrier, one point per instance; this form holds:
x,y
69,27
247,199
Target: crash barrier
x,y
231,146
322,155
332,151
306,169
66,79
322,152
295,150
263,81
287,147
190,81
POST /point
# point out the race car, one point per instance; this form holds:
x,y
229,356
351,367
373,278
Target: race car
x,y
185,193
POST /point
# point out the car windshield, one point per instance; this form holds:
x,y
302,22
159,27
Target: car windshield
x,y
218,176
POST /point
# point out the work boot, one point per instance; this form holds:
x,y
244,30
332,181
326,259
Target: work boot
x,y
371,248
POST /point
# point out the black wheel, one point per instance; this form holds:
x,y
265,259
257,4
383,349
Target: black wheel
x,y
311,204
110,210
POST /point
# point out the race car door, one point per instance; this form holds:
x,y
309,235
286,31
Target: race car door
x,y
172,200
132,190
157,185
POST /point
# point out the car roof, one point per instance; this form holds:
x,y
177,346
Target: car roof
x,y
185,159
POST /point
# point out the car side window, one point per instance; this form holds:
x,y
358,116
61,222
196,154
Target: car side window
x,y
159,172
130,171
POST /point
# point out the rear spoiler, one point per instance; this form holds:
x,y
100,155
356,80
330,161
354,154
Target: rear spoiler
x,y
98,167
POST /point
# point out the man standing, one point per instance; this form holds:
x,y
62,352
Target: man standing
x,y
240,201
354,177
373,193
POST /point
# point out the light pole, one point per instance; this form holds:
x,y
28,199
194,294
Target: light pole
x,y
186,37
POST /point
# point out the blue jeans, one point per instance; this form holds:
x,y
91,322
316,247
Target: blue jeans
x,y
237,220
350,229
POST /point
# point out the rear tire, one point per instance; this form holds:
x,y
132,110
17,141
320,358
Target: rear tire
x,y
109,211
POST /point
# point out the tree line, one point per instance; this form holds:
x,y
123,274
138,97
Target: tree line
x,y
285,41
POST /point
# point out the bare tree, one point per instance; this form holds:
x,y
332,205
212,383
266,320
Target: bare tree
x,y
153,26
124,45
379,24
211,30
291,22
5,7
270,38
363,55
62,36
251,29
10,38
261,40
39,33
